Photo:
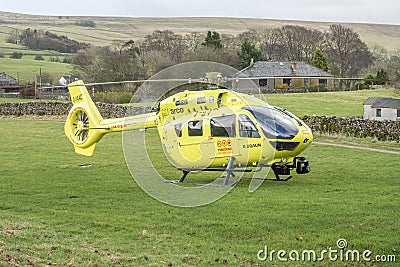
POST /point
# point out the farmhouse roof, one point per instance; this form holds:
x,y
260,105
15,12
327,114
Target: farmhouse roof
x,y
6,79
382,102
283,69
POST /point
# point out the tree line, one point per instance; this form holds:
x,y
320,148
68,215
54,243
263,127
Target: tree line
x,y
338,50
45,40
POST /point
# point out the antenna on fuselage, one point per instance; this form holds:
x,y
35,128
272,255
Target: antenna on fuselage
x,y
214,79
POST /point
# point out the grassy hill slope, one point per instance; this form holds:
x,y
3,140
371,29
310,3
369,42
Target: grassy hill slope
x,y
109,29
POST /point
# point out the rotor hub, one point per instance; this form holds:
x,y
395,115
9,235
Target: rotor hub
x,y
80,125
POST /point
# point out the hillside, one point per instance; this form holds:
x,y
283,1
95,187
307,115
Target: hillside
x,y
109,29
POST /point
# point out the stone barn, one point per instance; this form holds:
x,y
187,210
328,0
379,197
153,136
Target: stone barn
x,y
7,80
381,109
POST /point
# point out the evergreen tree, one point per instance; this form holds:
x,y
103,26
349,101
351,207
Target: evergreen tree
x,y
382,77
249,51
319,60
213,39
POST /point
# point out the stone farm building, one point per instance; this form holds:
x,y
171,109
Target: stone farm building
x,y
277,75
8,86
382,109
6,80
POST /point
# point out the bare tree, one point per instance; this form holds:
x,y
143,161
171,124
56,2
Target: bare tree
x,y
194,40
391,64
222,55
290,40
346,53
270,43
166,41
378,51
87,64
118,62
313,39
251,35
230,42
152,61
299,43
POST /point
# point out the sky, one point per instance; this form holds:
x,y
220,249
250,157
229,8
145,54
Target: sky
x,y
360,11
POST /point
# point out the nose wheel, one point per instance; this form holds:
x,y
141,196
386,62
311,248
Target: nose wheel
x,y
302,165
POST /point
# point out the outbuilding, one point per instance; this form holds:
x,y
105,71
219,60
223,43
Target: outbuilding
x,y
7,80
381,109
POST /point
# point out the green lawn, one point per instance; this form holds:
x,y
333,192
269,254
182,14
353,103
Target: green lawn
x,y
11,48
14,100
23,100
341,104
54,211
328,103
25,69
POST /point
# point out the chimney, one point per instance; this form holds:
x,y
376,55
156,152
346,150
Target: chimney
x,y
294,65
251,62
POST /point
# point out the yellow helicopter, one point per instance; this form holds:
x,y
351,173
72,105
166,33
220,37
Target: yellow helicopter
x,y
208,130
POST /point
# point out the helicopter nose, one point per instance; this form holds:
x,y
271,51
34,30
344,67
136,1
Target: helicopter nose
x,y
307,138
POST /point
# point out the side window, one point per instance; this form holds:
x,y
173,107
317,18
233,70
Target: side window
x,y
323,82
263,82
288,82
195,128
178,129
379,112
223,126
247,127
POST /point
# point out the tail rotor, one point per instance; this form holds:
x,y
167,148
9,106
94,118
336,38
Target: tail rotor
x,y
83,125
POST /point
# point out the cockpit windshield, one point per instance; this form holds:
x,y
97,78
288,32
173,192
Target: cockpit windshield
x,y
274,124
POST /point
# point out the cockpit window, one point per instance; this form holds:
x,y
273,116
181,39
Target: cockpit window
x,y
300,122
274,124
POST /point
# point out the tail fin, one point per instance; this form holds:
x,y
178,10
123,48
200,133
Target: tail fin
x,y
83,125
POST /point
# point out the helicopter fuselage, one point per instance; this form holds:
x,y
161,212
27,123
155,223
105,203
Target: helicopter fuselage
x,y
205,129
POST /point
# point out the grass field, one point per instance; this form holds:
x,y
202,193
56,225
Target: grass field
x,y
25,69
14,100
346,104
54,211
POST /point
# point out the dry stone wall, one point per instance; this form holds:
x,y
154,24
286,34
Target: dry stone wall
x,y
355,127
62,109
